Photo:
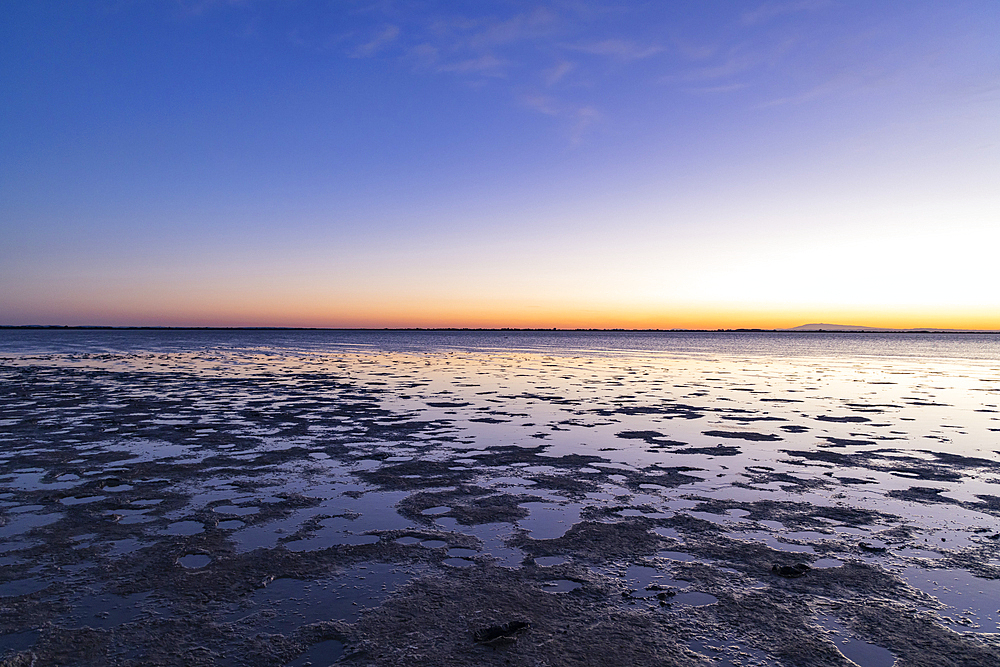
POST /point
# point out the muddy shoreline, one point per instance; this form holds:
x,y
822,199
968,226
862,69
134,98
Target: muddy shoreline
x,y
381,509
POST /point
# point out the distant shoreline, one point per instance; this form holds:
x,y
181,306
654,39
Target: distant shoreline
x,y
859,330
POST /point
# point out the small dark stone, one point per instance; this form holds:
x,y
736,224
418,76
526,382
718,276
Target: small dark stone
x,y
790,571
871,549
500,634
743,435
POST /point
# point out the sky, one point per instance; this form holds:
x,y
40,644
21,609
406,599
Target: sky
x,y
574,163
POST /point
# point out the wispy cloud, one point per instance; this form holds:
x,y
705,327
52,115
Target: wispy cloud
x,y
461,45
842,84
487,65
738,61
691,50
532,25
583,118
545,104
538,47
555,74
580,118
567,49
200,6
736,66
386,36
814,93
424,55
715,90
619,49
771,10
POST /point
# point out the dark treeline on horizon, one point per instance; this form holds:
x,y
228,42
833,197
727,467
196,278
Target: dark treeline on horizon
x,y
480,329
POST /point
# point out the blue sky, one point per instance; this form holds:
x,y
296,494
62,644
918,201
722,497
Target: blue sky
x,y
499,163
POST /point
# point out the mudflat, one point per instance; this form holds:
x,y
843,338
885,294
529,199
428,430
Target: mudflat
x,y
284,504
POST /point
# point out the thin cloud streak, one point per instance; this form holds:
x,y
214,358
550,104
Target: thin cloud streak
x,y
385,37
494,47
618,49
555,74
771,10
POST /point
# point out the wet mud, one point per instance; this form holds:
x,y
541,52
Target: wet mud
x,y
286,507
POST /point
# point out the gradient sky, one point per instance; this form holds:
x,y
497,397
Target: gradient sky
x,y
483,163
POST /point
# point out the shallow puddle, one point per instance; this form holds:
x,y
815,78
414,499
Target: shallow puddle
x,y
19,587
561,586
324,653
862,653
194,561
108,610
973,602
289,603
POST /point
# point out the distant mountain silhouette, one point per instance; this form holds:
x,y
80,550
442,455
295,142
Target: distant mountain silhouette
x,y
836,327
851,327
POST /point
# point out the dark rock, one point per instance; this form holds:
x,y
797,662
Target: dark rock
x,y
849,419
790,571
718,450
743,435
500,634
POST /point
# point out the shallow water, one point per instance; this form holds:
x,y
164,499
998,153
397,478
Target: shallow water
x,y
206,474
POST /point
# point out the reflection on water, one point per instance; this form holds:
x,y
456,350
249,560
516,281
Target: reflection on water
x,y
857,650
301,476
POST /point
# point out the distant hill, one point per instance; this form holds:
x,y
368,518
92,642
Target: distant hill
x,y
851,327
835,327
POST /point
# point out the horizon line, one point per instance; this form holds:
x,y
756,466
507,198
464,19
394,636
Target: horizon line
x,y
839,329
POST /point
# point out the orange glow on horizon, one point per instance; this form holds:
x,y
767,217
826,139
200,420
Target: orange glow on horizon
x,y
443,315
